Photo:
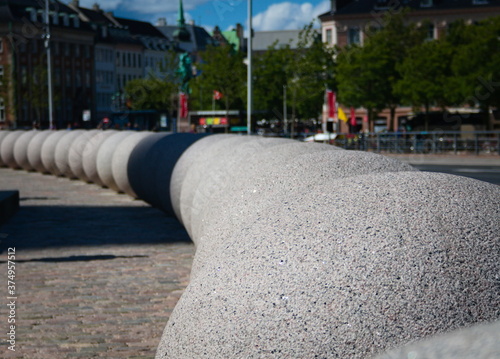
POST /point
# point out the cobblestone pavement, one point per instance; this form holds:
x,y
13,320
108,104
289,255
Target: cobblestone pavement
x,y
97,274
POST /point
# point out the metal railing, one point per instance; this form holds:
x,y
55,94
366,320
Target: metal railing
x,y
443,142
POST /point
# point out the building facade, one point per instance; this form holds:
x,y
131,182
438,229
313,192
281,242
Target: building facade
x,y
24,64
350,22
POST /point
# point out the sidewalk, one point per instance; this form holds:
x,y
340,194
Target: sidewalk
x,y
97,274
430,159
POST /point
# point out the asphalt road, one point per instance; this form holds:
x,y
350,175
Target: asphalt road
x,y
489,174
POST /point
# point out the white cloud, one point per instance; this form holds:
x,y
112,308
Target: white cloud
x,y
288,16
144,6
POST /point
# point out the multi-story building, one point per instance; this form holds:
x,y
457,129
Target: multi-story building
x,y
23,63
351,21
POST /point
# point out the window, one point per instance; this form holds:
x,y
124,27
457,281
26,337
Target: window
x,y
2,110
430,32
1,44
65,19
76,21
24,75
426,3
328,36
354,36
57,76
77,50
66,49
78,79
1,74
32,14
480,2
68,77
55,18
139,60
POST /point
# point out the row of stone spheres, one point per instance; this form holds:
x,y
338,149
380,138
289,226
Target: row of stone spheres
x,y
302,250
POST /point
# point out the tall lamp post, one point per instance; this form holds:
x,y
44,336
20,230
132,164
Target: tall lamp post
x,y
249,72
49,62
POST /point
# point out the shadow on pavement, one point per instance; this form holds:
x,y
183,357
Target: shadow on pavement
x,y
62,226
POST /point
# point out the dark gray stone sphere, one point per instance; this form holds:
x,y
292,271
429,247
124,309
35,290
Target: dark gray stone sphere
x,y
151,164
119,162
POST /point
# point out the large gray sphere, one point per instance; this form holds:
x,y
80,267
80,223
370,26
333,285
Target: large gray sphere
x,y
186,161
3,134
89,156
477,342
119,162
48,153
263,179
343,269
105,156
35,150
21,149
7,148
151,164
210,170
75,154
62,152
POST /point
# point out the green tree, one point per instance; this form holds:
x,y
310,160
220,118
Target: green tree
x,y
360,83
158,91
312,72
368,74
271,72
222,69
425,76
476,63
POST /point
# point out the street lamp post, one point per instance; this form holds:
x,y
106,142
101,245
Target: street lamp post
x,y
49,62
249,72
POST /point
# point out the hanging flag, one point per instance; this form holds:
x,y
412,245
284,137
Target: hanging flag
x,y
330,98
353,117
218,95
342,115
183,112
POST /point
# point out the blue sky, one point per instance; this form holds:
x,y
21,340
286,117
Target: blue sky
x,y
267,15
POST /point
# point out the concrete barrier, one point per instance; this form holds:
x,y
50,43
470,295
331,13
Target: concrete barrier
x,y
89,155
3,134
303,250
151,164
75,154
7,148
476,342
119,162
341,268
21,150
105,156
62,152
35,150
48,153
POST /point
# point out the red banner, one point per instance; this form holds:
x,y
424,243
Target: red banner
x,y
330,95
218,95
353,117
183,111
